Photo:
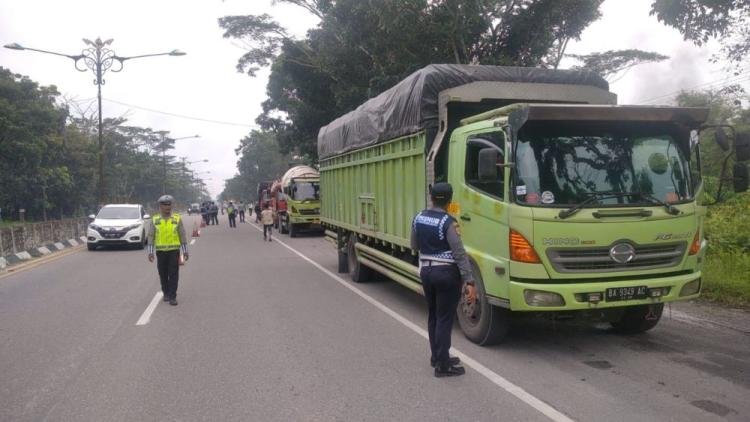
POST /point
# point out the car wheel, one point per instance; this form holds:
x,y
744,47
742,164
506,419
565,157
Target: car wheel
x,y
91,246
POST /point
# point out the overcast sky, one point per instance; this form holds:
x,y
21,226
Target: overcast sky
x,y
205,85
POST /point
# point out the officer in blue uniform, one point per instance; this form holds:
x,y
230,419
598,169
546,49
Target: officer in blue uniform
x,y
444,270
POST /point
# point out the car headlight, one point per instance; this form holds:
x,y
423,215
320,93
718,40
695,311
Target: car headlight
x,y
94,227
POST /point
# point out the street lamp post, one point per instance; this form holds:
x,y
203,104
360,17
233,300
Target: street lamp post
x,y
98,58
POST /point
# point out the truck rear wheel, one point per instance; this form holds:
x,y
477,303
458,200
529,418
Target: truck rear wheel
x,y
482,322
358,272
637,319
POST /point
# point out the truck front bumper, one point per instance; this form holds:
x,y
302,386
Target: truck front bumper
x,y
526,296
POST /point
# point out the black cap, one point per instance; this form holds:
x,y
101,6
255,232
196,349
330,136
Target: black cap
x,y
442,191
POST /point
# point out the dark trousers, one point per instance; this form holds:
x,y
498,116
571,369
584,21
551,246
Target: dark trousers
x,y
214,218
205,218
232,219
168,263
267,228
242,216
442,289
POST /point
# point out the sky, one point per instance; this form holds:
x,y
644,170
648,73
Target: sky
x,y
222,104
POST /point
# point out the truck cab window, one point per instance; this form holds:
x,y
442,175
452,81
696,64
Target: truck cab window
x,y
494,185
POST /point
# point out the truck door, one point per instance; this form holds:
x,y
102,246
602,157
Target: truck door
x,y
482,211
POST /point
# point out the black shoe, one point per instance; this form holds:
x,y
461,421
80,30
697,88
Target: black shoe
x,y
453,360
173,302
449,371
166,298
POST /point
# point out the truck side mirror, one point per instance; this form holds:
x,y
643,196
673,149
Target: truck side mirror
x,y
740,176
742,146
487,165
721,139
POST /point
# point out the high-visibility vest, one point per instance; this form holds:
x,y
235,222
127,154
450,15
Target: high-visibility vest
x,y
166,235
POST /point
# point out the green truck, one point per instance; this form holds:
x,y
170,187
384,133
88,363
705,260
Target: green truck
x,y
300,188
567,202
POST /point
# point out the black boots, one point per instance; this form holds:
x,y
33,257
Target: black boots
x,y
448,370
451,361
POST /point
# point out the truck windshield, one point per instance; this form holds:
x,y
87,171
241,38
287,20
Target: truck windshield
x,y
562,164
306,191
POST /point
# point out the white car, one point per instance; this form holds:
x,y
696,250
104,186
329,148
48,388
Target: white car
x,y
118,224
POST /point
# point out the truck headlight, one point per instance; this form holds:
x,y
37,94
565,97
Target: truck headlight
x,y
540,298
691,288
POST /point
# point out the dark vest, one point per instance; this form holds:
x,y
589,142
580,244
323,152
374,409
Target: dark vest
x,y
431,227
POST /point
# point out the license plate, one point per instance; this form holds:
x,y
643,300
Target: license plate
x,y
626,293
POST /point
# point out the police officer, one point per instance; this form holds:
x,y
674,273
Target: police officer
x,y
444,269
166,236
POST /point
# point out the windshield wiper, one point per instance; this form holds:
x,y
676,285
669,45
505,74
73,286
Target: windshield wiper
x,y
670,209
595,196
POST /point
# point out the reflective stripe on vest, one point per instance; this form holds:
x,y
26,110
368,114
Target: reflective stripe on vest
x,y
166,235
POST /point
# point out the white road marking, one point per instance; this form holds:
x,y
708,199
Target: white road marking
x,y
495,378
192,242
146,316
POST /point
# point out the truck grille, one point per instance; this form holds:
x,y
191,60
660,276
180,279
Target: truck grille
x,y
588,260
309,212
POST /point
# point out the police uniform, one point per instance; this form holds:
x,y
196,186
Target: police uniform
x,y
443,269
167,238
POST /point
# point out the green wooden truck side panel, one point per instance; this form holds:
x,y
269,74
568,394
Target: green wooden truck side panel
x,y
376,191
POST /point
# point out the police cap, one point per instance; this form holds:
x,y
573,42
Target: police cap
x,y
166,199
442,191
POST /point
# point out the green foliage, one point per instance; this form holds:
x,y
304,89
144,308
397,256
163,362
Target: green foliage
x,y
361,48
49,156
259,160
727,267
610,62
728,21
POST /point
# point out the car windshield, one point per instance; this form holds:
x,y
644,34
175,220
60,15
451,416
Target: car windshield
x,y
119,213
564,163
305,191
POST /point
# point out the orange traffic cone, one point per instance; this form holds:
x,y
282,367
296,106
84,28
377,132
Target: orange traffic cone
x,y
196,232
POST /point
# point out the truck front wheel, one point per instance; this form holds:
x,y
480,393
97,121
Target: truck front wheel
x,y
292,231
637,319
481,322
358,272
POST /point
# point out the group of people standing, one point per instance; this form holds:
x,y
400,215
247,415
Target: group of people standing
x,y
210,213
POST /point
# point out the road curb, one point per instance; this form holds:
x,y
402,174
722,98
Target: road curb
x,y
46,249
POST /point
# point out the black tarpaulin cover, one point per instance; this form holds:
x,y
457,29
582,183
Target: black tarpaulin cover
x,y
412,105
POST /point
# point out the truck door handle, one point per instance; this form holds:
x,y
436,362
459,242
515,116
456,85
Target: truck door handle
x,y
465,217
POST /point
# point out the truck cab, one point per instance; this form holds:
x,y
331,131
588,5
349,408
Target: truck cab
x,y
300,187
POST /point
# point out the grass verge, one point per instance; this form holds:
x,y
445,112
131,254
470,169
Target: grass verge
x,y
726,278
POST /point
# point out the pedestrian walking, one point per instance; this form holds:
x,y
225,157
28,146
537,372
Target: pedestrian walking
x,y
166,240
444,269
214,213
232,214
257,212
266,217
242,208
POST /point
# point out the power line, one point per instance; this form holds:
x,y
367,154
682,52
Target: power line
x,y
182,116
740,77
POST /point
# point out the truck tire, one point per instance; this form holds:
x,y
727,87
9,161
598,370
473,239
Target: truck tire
x,y
292,231
482,322
637,319
358,272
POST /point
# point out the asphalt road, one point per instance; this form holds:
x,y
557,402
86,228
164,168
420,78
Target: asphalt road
x,y
262,333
